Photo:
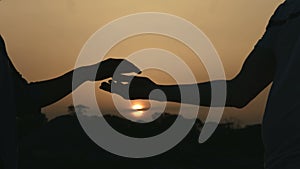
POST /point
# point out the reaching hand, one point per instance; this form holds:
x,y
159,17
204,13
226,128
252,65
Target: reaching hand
x,y
139,87
106,68
55,89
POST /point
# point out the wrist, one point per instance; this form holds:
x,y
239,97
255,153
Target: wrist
x,y
158,92
172,92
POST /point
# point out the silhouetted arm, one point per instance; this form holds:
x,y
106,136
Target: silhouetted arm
x,y
40,94
256,74
50,91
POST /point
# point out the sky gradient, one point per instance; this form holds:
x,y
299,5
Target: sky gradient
x,y
44,39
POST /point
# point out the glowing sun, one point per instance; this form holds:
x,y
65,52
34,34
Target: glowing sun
x,y
137,107
138,113
138,110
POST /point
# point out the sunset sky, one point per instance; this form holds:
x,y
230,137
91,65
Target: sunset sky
x,y
44,39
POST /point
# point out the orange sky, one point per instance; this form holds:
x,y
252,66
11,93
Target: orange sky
x,y
44,38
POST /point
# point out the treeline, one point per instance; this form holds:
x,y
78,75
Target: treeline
x,y
62,143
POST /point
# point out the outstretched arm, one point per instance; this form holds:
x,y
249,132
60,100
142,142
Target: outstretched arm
x,y
256,74
51,91
40,94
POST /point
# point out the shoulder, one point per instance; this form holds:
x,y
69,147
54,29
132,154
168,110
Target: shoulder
x,y
285,11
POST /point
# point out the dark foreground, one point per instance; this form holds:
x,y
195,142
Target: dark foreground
x,y
62,144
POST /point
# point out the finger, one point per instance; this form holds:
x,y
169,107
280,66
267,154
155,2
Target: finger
x,y
112,81
105,86
122,78
119,89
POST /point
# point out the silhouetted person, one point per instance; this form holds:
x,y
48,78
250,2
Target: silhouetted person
x,y
275,58
20,98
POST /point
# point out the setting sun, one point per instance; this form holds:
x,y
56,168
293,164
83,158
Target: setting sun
x,y
137,107
138,113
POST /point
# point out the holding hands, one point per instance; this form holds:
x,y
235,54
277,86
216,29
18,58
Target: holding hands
x,y
138,87
107,68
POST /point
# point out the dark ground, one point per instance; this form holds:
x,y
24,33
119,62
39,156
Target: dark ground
x,y
62,144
